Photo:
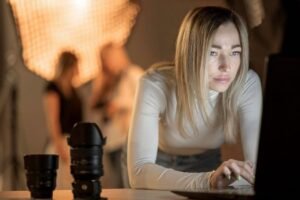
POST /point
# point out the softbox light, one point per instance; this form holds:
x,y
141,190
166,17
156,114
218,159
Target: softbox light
x,y
46,27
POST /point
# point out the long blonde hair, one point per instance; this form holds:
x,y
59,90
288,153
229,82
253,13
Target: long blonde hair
x,y
192,47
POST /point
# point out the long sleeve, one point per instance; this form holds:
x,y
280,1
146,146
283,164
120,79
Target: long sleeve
x,y
250,115
154,125
143,142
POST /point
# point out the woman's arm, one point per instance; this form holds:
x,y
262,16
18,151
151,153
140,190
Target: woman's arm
x,y
143,145
52,109
250,115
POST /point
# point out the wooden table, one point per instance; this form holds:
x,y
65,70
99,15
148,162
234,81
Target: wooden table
x,y
110,194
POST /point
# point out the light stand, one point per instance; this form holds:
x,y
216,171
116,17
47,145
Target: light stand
x,y
1,80
8,99
14,144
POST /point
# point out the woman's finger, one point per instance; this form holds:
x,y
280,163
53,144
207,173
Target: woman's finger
x,y
227,172
242,169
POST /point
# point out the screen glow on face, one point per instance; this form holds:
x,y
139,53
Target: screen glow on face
x,y
224,57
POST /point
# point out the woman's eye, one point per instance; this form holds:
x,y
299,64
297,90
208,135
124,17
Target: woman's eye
x,y
213,53
236,53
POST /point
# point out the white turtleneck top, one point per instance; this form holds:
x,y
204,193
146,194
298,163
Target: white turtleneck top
x,y
154,126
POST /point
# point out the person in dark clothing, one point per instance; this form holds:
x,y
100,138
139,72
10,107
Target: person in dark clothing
x,y
70,107
63,109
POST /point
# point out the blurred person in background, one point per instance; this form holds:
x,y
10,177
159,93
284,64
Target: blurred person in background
x,y
63,108
111,100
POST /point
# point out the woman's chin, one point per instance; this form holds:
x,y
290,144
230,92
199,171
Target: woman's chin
x,y
220,87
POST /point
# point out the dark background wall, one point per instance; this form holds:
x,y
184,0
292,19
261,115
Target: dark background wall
x,y
153,37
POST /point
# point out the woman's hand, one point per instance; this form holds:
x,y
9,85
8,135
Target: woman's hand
x,y
230,171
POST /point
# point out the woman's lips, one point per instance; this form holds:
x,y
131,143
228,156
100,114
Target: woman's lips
x,y
222,80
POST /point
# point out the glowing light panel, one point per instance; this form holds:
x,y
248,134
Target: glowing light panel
x,y
46,27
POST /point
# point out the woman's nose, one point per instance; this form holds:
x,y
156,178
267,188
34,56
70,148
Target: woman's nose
x,y
224,65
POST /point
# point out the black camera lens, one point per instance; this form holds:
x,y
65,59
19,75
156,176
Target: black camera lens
x,y
41,174
86,143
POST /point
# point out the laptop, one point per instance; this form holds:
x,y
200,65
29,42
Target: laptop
x,y
278,160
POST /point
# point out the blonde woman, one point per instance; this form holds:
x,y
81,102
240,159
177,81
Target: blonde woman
x,y
185,111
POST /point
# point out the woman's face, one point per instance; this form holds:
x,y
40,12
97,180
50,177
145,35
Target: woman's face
x,y
224,57
72,72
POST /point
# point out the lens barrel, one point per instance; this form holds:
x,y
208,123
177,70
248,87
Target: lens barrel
x,y
86,142
41,174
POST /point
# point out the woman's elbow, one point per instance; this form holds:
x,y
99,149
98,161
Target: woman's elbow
x,y
136,176
133,179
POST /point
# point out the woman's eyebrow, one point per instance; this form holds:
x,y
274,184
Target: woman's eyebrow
x,y
219,47
236,46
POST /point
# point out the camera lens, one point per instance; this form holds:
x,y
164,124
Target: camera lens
x,y
41,174
86,143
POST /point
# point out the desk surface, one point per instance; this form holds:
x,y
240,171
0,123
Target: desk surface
x,y
110,194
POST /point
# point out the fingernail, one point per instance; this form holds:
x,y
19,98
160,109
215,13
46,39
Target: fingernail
x,y
228,176
238,177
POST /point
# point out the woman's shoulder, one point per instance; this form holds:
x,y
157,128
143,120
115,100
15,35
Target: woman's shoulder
x,y
252,83
161,75
161,72
252,77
